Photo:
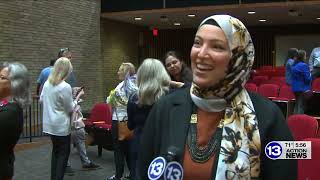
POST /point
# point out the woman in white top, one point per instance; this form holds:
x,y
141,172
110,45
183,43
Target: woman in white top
x,y
118,99
58,104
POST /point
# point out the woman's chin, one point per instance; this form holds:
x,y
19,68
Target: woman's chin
x,y
202,84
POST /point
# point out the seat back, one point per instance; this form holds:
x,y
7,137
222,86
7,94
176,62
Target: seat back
x,y
259,79
268,90
309,168
286,92
303,126
316,85
251,87
101,112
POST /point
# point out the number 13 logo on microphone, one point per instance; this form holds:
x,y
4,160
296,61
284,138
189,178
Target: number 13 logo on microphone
x,y
174,171
156,168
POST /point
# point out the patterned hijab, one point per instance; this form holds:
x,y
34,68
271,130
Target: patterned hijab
x,y
240,143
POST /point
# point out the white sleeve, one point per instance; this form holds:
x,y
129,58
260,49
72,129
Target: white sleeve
x,y
66,97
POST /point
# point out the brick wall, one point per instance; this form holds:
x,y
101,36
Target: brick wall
x,y
120,43
32,32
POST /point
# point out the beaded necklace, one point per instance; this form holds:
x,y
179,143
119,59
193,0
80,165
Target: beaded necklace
x,y
202,155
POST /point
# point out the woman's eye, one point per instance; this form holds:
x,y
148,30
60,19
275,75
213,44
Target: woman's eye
x,y
196,43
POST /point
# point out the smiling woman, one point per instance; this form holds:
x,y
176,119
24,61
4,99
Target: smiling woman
x,y
220,127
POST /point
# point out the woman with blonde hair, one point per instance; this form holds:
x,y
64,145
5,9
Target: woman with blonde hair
x,y
58,103
153,83
118,99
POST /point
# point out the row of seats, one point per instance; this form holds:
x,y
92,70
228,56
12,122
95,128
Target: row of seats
x,y
258,80
272,91
269,71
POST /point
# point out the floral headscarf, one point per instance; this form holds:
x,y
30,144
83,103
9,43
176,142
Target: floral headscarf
x,y
240,143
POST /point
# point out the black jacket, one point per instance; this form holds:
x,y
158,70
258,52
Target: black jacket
x,y
168,124
11,123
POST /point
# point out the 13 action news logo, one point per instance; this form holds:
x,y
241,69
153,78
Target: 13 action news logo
x,y
288,150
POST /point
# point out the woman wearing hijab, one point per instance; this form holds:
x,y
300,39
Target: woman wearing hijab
x,y
14,96
220,129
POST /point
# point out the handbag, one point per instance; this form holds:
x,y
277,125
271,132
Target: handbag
x,y
123,131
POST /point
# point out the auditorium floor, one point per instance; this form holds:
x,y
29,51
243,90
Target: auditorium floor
x,y
33,162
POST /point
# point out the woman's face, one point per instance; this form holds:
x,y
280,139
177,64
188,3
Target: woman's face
x,y
5,84
173,65
121,73
210,56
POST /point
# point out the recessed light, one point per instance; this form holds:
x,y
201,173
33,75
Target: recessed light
x,y
251,12
191,15
318,18
138,18
262,20
177,24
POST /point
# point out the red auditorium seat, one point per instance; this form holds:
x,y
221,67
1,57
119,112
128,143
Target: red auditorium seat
x,y
259,79
303,126
285,100
316,85
267,67
269,90
99,126
310,168
280,79
251,87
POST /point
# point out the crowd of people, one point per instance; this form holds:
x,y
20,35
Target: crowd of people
x,y
219,129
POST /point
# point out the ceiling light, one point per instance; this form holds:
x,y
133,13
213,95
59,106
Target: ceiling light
x,y
251,12
262,20
138,18
191,15
177,24
318,18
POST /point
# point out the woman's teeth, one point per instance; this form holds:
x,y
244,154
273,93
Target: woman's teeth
x,y
204,67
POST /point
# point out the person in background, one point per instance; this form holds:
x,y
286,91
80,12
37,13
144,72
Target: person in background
x,y
314,61
58,104
153,82
14,96
300,81
179,72
118,99
66,52
78,133
292,56
44,76
217,128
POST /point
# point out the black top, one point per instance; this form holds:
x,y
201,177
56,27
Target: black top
x,y
11,123
137,117
168,124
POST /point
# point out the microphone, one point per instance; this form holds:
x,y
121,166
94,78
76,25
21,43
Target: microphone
x,y
167,167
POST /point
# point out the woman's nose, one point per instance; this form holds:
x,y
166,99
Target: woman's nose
x,y
203,51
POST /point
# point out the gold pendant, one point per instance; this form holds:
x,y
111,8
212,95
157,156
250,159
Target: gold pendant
x,y
194,119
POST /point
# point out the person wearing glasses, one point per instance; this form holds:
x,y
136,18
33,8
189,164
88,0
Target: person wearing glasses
x,y
14,96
